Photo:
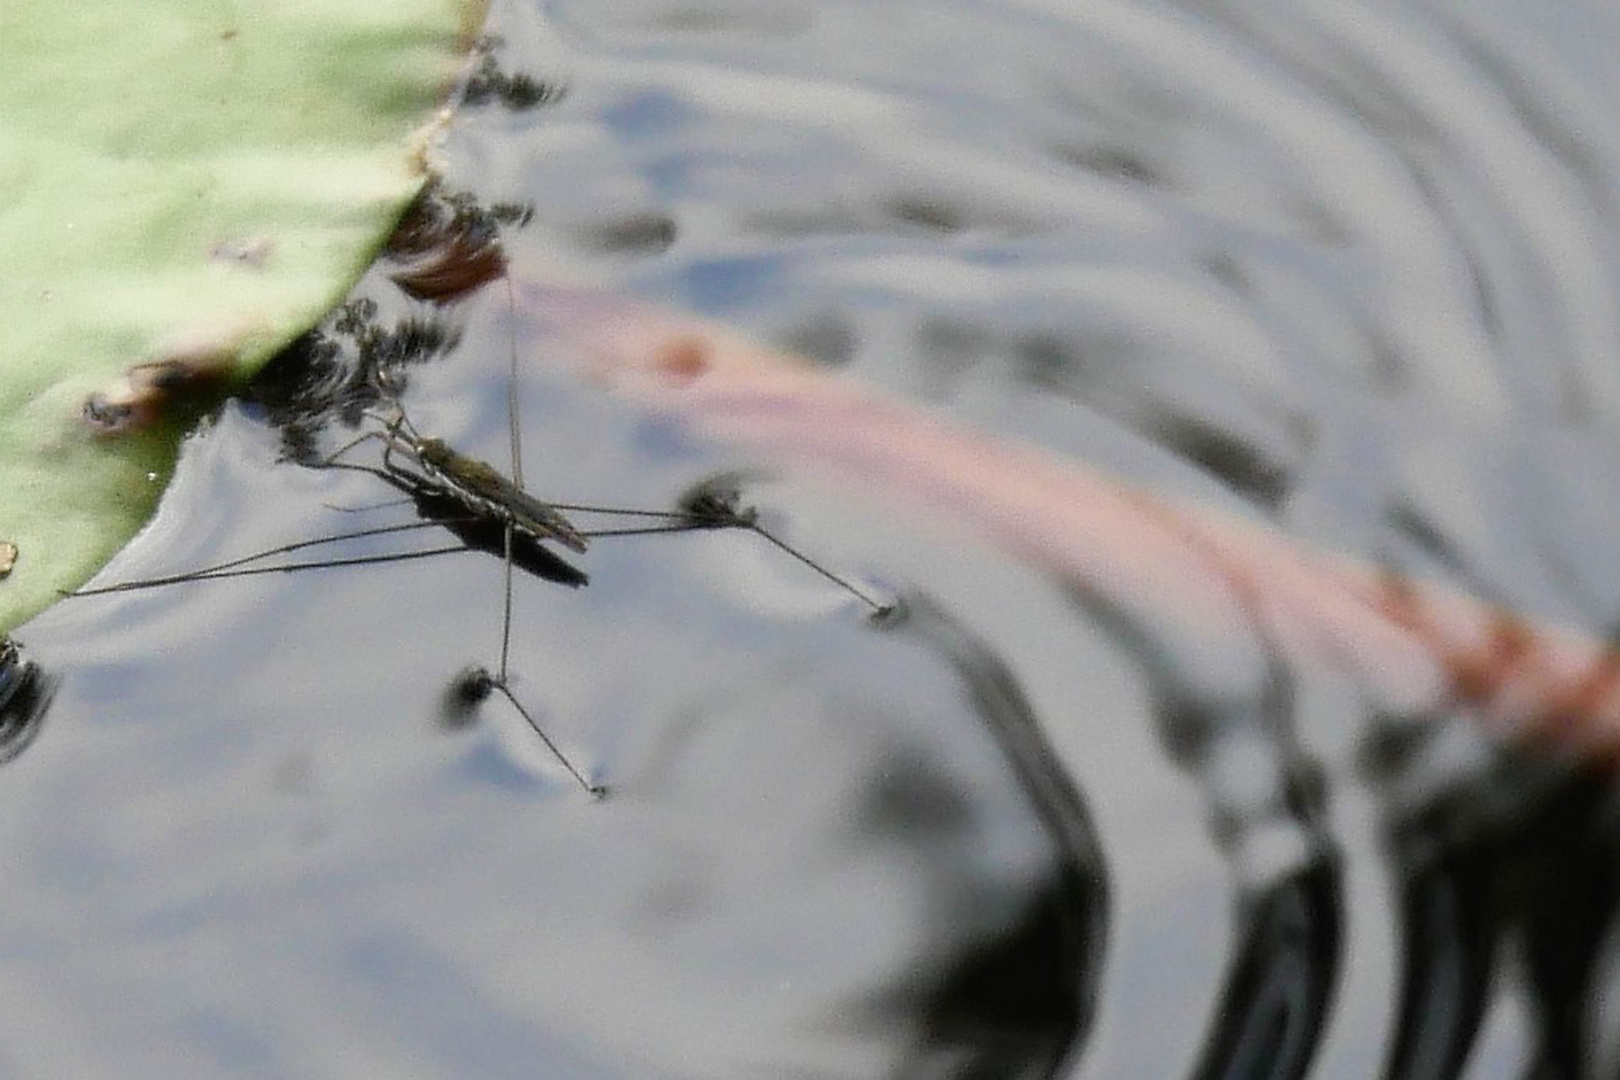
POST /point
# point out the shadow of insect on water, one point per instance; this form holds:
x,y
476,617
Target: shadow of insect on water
x,y
25,693
482,507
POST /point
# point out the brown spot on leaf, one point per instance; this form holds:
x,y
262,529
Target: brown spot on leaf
x,y
145,391
8,557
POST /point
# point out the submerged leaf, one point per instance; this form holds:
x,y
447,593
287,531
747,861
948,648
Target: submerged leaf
x,y
184,188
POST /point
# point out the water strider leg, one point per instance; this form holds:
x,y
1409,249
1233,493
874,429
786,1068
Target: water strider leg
x,y
705,514
514,442
475,683
670,522
387,504
241,567
715,504
513,431
506,609
473,686
331,460
878,608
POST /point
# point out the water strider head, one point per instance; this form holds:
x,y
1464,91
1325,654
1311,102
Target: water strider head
x,y
437,452
455,467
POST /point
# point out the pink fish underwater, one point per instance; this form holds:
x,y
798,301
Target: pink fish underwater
x,y
1412,645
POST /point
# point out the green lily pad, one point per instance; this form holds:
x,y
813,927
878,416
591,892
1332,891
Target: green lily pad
x,y
185,186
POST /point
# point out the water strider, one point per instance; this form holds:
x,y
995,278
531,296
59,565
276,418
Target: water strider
x,y
490,511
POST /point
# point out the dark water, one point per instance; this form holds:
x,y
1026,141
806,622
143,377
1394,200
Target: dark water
x,y
1349,268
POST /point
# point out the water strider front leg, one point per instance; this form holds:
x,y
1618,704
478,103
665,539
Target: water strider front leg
x,y
332,458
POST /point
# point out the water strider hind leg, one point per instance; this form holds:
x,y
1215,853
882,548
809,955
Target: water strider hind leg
x,y
474,684
472,687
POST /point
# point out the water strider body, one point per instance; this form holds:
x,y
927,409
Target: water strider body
x,y
473,499
479,486
482,487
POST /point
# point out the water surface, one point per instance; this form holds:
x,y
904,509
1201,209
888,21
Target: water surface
x,y
1347,269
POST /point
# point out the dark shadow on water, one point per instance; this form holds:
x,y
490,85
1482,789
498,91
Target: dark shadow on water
x,y
1512,876
25,696
1274,1005
1288,944
1023,1004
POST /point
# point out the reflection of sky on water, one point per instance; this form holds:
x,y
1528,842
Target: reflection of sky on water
x,y
1348,268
